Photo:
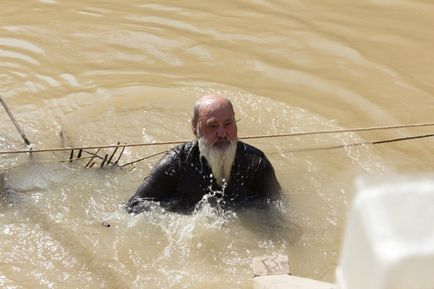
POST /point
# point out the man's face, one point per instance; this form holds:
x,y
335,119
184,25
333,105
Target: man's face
x,y
217,124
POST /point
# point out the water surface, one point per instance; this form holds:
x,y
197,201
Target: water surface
x,y
103,72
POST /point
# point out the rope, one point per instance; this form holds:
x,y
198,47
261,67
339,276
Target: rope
x,y
365,143
31,150
91,147
340,130
144,158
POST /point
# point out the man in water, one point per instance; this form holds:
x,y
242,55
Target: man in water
x,y
216,166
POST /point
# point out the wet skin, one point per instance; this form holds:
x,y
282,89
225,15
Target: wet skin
x,y
216,121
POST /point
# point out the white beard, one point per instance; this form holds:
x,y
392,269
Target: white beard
x,y
220,159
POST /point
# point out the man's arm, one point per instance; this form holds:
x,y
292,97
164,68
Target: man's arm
x,y
158,185
267,181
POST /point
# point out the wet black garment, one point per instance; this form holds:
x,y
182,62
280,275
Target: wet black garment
x,y
181,178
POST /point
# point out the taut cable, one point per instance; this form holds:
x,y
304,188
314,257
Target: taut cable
x,y
242,137
364,143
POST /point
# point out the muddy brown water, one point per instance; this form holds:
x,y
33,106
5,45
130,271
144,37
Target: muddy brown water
x,y
130,71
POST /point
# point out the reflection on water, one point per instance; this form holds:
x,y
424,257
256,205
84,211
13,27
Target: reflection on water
x,y
103,73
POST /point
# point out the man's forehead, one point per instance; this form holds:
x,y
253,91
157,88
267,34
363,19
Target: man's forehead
x,y
220,113
209,109
209,119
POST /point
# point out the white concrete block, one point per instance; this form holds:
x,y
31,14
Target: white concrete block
x,y
389,239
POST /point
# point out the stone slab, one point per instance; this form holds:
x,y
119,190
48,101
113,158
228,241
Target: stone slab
x,y
289,282
270,265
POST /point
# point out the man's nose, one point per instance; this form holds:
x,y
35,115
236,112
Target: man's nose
x,y
221,132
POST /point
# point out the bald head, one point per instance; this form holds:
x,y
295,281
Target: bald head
x,y
214,120
208,104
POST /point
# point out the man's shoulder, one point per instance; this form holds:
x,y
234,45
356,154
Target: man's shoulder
x,y
184,149
179,153
250,150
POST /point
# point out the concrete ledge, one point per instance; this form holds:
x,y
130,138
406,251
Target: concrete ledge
x,y
289,282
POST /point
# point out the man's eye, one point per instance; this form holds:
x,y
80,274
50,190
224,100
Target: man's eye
x,y
212,125
229,123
